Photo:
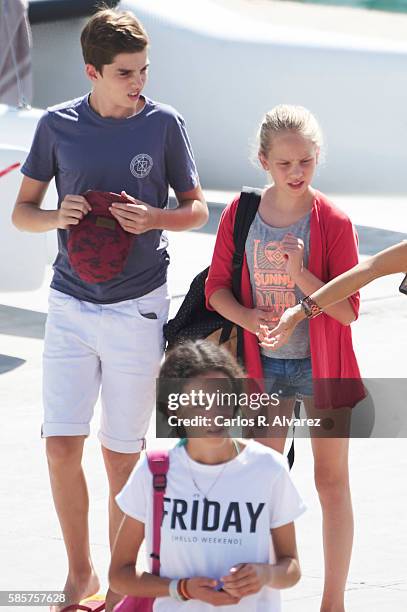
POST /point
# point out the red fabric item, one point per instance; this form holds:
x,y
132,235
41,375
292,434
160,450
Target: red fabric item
x,y
333,250
9,169
98,247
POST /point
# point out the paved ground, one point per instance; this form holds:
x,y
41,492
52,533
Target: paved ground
x,y
32,554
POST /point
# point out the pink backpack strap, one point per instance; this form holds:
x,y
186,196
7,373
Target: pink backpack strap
x,y
158,462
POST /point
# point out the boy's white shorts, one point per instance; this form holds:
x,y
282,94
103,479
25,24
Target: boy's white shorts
x,y
108,347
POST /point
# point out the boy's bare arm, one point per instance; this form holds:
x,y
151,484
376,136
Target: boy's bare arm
x,y
28,215
192,211
138,217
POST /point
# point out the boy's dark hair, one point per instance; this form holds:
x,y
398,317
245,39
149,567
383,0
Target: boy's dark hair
x,y
110,32
189,360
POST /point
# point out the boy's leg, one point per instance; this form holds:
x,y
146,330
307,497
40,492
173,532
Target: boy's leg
x,y
118,468
71,380
70,496
332,483
131,351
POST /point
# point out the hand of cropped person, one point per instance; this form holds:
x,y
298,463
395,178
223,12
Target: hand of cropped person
x,y
293,249
73,209
135,217
274,338
246,579
203,589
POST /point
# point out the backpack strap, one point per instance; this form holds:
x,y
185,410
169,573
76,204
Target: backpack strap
x,y
246,211
158,462
291,452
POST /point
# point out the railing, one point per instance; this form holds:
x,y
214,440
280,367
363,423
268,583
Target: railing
x,y
40,11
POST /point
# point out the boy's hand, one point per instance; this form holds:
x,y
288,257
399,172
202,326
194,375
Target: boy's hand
x,y
293,249
72,211
246,579
136,217
203,589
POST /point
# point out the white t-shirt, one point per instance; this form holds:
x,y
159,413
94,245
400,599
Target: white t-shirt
x,y
253,494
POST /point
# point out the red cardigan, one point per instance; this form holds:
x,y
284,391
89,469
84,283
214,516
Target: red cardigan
x,y
333,250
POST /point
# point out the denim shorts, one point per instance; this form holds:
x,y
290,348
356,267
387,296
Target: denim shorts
x,y
288,377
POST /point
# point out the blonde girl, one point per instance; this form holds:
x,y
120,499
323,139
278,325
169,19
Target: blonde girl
x,y
298,241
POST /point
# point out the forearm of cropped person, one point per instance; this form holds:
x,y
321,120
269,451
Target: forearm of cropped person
x,y
309,284
388,261
191,212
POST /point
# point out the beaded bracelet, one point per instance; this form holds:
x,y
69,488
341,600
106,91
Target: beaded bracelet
x,y
186,589
182,589
310,307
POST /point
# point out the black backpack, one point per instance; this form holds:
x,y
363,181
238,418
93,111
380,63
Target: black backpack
x,y
193,320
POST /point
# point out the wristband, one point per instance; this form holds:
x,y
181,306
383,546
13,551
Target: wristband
x,y
174,593
310,308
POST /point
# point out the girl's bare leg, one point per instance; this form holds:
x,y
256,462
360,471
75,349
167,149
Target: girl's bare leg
x,y
275,437
332,483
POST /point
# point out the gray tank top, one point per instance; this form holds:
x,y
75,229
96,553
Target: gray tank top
x,y
272,287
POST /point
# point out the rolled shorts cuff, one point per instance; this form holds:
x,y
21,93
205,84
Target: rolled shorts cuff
x,y
122,446
64,429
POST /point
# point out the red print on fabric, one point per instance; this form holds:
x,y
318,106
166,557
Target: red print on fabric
x,y
274,286
98,247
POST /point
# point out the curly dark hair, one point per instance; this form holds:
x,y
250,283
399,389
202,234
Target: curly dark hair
x,y
189,360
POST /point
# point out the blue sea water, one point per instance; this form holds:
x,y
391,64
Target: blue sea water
x,y
396,6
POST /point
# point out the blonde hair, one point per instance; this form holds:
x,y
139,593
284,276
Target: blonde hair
x,y
287,118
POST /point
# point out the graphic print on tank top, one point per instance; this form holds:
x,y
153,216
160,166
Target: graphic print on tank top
x,y
275,289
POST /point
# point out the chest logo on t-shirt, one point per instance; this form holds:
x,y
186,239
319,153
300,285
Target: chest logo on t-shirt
x,y
140,165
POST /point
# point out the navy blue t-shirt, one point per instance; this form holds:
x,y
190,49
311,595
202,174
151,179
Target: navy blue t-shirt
x,y
142,155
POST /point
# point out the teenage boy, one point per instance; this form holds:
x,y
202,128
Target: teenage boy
x,y
107,334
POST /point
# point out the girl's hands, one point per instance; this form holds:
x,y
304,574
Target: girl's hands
x,y
259,321
204,590
278,336
293,249
246,579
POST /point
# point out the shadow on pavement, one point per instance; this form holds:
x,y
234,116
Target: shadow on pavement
x,y
8,363
374,239
21,322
